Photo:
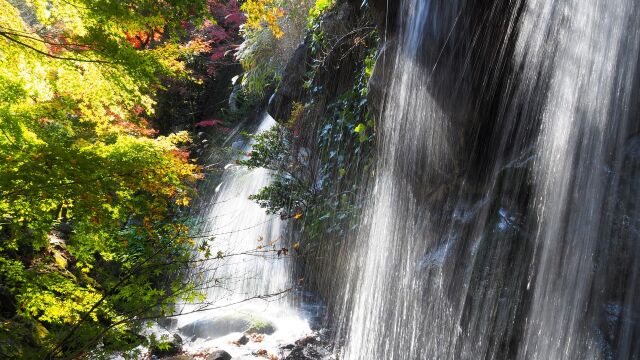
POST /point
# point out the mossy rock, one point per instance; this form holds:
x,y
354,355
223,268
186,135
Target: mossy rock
x,y
260,326
214,328
23,338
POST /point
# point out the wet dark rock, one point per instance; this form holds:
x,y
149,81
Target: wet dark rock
x,y
386,14
340,19
312,347
290,89
615,316
435,259
381,77
508,220
244,340
174,348
314,309
310,352
617,262
495,273
219,355
336,74
307,341
297,354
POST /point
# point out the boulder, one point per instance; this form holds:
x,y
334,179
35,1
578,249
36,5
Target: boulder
x,y
261,326
219,355
297,354
217,327
308,340
244,340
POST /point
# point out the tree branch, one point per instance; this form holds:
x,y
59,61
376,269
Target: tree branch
x,y
8,37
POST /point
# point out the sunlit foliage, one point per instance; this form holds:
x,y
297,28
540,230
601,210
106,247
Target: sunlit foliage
x,y
274,29
90,196
264,13
319,187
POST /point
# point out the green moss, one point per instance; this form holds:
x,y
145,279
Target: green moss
x,y
260,326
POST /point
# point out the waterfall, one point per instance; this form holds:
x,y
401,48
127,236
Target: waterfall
x,y
584,125
239,227
243,271
585,120
503,221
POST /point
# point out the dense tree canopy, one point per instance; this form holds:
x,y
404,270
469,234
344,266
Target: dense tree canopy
x,y
90,196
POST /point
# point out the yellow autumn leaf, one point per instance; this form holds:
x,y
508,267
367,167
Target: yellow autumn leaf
x,y
60,260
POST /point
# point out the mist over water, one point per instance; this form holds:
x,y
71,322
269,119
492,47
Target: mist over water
x,y
248,282
238,227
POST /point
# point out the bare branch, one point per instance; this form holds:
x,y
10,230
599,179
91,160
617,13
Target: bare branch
x,y
8,37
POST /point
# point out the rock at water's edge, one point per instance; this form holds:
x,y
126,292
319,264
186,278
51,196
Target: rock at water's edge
x,y
174,348
244,340
219,355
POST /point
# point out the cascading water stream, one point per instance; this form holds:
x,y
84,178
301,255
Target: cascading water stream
x,y
243,272
503,222
584,127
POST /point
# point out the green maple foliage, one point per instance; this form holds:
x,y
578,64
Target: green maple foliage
x,y
90,196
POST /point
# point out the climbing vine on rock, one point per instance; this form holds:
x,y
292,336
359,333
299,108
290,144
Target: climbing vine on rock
x,y
320,188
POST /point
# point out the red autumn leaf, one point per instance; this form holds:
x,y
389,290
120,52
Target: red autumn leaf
x,y
235,19
217,34
218,53
205,123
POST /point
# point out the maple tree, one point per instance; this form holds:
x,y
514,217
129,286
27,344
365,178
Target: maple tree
x,y
217,36
91,198
264,13
269,39
211,65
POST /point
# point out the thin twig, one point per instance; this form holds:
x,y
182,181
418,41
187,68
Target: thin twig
x,y
7,36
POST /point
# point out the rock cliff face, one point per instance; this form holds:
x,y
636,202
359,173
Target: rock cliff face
x,y
343,23
330,63
338,63
468,176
